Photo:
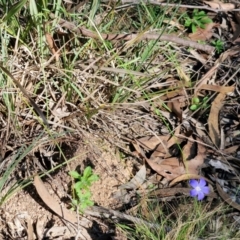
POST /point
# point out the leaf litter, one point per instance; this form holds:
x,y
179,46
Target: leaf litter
x,y
172,143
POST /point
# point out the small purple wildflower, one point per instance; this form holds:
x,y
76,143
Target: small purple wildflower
x,y
199,188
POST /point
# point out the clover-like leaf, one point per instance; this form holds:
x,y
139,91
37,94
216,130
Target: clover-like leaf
x,y
87,172
74,174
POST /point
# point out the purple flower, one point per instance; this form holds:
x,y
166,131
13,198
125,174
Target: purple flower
x,y
199,188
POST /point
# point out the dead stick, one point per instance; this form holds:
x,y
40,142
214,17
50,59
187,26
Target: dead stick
x,y
130,36
156,2
102,212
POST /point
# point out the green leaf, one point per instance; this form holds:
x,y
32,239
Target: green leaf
x,y
193,107
85,205
93,178
201,14
74,202
87,195
74,174
89,203
14,9
196,100
79,185
206,20
194,29
87,172
201,25
33,8
205,99
78,193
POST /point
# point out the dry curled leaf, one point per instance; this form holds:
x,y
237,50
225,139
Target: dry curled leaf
x,y
193,165
150,142
213,125
189,150
231,150
169,168
137,180
176,106
227,198
52,46
223,165
185,177
216,4
156,143
57,231
203,34
52,203
55,206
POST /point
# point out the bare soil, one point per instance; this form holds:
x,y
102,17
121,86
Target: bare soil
x,y
26,207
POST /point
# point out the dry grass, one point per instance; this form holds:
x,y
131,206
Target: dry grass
x,y
117,90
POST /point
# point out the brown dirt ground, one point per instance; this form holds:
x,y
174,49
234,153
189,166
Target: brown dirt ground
x,y
26,204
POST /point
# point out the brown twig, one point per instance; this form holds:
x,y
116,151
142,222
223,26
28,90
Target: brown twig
x,y
130,36
156,2
102,212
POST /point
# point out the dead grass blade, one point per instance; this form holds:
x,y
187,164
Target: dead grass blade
x,y
101,212
212,71
34,105
216,88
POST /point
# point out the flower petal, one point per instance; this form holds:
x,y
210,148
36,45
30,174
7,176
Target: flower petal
x,y
205,190
193,183
200,196
202,183
193,193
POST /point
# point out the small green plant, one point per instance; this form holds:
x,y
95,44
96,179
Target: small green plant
x,y
198,19
219,45
197,103
81,188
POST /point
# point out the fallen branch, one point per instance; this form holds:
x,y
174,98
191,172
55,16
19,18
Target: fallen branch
x,y
156,2
101,212
130,36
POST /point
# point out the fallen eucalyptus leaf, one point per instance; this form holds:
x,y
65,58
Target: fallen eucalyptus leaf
x,y
137,180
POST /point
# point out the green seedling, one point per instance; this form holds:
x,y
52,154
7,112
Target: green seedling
x,y
198,19
219,45
197,103
81,188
